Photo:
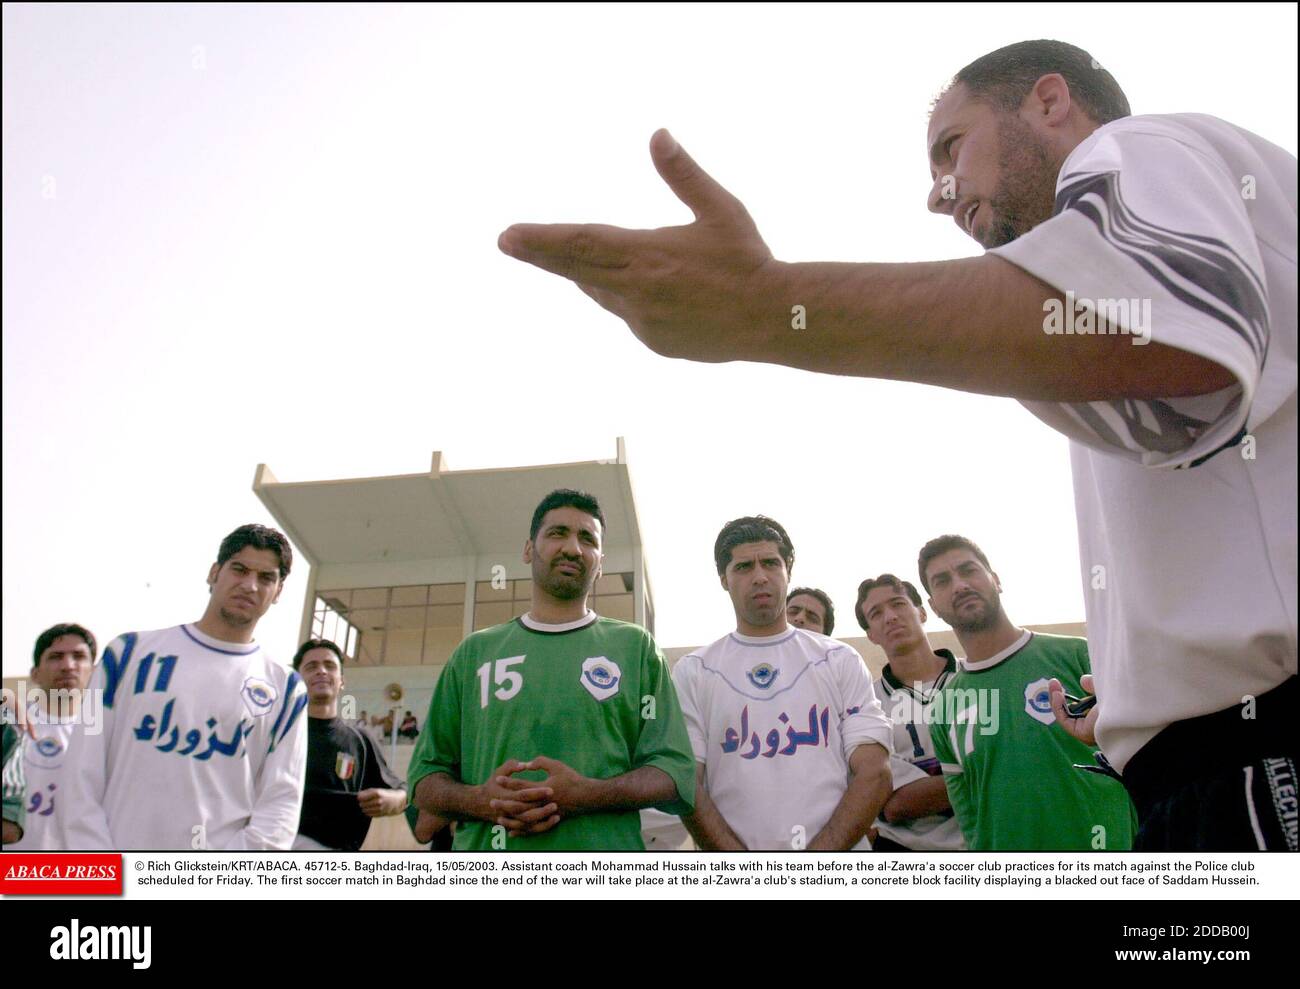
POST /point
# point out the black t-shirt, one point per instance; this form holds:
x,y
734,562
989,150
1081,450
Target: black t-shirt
x,y
341,762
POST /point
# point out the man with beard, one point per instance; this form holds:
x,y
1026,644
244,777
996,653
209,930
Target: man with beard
x,y
1009,767
348,782
201,743
1138,294
551,731
62,663
791,746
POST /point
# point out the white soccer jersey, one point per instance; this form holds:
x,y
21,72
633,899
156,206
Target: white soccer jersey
x,y
1189,574
774,720
43,758
203,745
906,704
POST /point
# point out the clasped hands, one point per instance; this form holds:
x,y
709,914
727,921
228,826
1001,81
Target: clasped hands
x,y
525,807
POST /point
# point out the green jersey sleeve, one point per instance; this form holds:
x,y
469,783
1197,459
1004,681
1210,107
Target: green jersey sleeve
x,y
15,790
438,748
663,742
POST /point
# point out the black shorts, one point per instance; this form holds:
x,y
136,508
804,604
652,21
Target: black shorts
x,y
1221,782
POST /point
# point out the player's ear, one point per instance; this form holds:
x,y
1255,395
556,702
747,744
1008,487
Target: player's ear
x,y
997,582
212,576
278,591
924,616
528,551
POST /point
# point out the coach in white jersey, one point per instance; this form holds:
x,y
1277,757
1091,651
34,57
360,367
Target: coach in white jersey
x,y
918,816
791,746
62,663
1138,294
202,743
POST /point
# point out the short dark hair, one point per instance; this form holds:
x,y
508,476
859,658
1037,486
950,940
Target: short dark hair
x,y
311,644
821,596
1003,78
259,537
942,544
751,529
46,639
566,498
884,580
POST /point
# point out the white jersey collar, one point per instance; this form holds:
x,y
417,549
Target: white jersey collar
x,y
220,645
765,640
527,621
992,661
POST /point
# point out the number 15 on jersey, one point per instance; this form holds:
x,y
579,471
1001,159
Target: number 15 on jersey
x,y
509,682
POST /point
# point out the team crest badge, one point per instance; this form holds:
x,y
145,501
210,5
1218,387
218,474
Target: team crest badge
x,y
600,677
344,764
763,675
49,747
259,696
1038,702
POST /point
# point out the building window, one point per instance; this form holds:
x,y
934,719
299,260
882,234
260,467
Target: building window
x,y
411,625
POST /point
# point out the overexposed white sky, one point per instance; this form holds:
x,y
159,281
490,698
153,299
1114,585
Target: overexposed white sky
x,y
236,235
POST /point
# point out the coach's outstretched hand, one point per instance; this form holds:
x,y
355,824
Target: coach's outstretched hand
x,y
1084,729
701,291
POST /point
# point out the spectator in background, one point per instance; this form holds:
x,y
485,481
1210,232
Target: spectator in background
x,y
410,728
810,608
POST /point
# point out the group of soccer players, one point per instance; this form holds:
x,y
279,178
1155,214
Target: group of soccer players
x,y
552,731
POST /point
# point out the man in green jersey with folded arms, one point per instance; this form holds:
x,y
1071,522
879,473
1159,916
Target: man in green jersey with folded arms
x,y
1009,767
552,731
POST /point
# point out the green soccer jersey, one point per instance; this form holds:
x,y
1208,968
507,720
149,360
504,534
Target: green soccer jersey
x,y
598,698
1009,766
15,790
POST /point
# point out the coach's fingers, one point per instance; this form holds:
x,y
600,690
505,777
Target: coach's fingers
x,y
585,252
690,183
1056,697
1086,682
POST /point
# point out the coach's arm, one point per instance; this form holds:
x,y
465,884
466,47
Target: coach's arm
x,y
711,291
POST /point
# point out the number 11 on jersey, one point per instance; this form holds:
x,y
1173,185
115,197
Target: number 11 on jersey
x,y
508,681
